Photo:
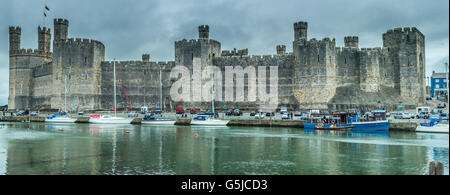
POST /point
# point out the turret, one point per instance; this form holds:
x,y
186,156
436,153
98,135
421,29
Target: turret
x,y
14,39
300,30
281,49
44,37
203,32
351,41
61,29
145,57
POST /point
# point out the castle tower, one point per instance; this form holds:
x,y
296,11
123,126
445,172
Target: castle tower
x,y
281,49
44,38
203,32
14,39
351,41
300,30
61,28
406,48
204,48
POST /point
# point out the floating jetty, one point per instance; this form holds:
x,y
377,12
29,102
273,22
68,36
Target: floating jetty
x,y
394,126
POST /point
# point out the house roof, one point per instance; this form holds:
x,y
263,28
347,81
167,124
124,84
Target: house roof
x,y
438,75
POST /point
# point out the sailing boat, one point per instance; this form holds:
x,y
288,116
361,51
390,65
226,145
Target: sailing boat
x,y
61,117
158,120
207,120
108,119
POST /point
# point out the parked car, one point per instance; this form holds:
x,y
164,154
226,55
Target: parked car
x,y
388,114
179,110
441,105
259,116
34,113
193,111
229,112
444,115
237,112
270,114
81,113
402,115
297,113
133,114
252,113
285,116
435,117
429,97
283,110
423,115
411,115
22,113
304,117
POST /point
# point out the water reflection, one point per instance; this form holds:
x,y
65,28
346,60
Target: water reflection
x,y
39,148
355,133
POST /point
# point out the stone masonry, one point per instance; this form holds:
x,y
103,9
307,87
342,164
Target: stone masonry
x,y
317,74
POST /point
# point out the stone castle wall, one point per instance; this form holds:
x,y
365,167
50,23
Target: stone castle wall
x,y
316,75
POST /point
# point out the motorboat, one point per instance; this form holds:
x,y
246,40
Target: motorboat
x,y
432,127
108,119
155,120
208,121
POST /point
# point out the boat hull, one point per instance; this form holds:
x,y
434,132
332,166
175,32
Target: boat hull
x,y
361,126
110,120
210,122
60,120
156,122
438,128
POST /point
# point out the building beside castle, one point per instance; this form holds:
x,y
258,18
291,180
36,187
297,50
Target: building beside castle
x,y
316,75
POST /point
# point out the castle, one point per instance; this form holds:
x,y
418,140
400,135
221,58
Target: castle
x,y
316,75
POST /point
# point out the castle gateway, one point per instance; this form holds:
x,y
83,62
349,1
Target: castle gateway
x,y
316,75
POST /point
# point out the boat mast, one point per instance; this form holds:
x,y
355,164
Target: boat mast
x,y
160,90
115,107
212,94
65,92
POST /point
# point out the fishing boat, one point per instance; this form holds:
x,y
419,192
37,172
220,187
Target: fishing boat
x,y
157,120
61,117
432,127
206,120
108,119
370,121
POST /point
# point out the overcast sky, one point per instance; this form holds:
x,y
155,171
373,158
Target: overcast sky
x,y
130,28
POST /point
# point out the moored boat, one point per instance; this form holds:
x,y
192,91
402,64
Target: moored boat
x,y
208,121
371,121
432,127
154,120
59,118
108,119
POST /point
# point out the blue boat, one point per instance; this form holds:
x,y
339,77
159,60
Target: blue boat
x,y
370,121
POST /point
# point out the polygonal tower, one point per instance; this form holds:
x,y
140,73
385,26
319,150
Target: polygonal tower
x,y
61,28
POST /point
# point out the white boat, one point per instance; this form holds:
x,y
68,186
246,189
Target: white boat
x,y
107,119
207,121
432,128
61,118
154,120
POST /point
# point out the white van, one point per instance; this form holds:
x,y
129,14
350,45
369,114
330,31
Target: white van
x,y
423,109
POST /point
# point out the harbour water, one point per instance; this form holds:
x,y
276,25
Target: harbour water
x,y
40,148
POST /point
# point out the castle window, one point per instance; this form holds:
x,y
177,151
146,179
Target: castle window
x,y
318,59
192,56
85,60
69,76
330,59
345,60
305,60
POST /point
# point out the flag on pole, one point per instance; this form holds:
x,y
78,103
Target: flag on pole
x,y
47,8
114,108
45,15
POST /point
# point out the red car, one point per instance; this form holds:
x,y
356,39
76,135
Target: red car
x,y
193,111
179,110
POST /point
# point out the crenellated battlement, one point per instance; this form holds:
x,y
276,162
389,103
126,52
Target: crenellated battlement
x,y
351,41
241,52
79,42
43,30
30,52
15,29
61,21
403,31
